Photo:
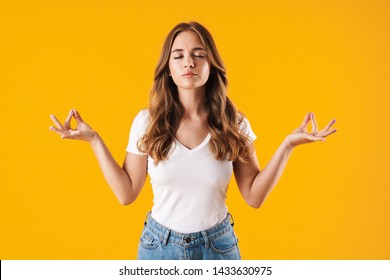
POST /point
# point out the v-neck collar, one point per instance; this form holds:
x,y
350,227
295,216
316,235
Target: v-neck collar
x,y
204,142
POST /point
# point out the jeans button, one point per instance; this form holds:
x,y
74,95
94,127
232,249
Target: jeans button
x,y
188,239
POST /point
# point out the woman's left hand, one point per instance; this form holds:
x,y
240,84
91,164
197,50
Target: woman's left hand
x,y
302,136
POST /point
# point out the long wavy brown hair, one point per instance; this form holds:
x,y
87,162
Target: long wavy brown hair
x,y
225,123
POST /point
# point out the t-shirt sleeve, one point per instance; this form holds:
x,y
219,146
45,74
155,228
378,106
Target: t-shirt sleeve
x,y
138,129
247,129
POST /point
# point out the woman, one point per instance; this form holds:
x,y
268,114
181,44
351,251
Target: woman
x,y
190,140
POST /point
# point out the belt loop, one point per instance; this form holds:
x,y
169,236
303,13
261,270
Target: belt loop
x,y
166,237
231,220
206,239
147,218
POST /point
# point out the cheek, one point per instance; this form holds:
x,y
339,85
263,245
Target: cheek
x,y
172,68
206,69
173,72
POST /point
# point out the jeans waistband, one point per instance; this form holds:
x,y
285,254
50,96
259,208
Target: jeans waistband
x,y
188,239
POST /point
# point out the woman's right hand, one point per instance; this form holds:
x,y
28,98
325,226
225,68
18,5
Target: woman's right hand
x,y
82,131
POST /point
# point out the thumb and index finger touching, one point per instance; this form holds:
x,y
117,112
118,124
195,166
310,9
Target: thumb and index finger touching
x,y
76,115
322,133
310,116
72,113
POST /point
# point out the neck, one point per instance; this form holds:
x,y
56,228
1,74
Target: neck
x,y
192,101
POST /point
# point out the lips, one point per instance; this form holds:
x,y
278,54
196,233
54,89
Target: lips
x,y
189,74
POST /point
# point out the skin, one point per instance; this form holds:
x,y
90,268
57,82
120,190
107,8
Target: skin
x,y
187,56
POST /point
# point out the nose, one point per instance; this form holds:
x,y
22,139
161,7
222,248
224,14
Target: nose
x,y
189,62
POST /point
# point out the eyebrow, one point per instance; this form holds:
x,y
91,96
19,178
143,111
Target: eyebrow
x,y
194,49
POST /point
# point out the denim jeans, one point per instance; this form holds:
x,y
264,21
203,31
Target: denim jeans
x,y
160,243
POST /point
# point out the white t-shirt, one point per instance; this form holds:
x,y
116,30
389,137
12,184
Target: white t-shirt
x,y
190,187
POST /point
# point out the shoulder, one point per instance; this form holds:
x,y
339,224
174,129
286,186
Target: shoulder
x,y
142,116
141,120
244,125
242,120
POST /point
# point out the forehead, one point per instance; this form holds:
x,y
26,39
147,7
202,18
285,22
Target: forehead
x,y
187,40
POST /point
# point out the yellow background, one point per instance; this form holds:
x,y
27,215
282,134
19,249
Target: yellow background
x,y
284,59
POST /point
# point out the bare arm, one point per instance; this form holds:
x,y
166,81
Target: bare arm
x,y
126,182
255,185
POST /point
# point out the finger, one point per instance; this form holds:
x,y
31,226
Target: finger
x,y
314,127
327,133
58,131
328,126
315,138
56,122
68,118
306,120
77,116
